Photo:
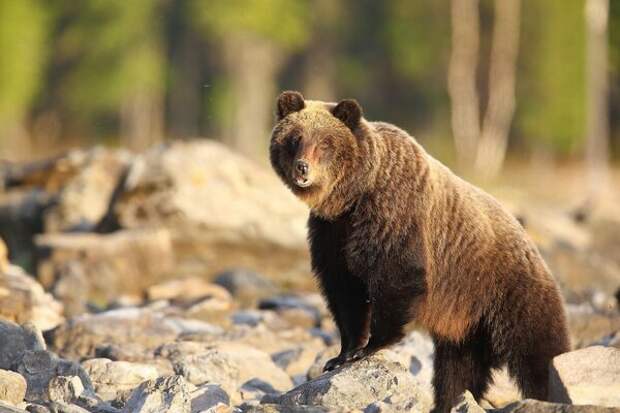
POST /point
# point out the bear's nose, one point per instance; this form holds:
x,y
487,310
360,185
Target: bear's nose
x,y
301,167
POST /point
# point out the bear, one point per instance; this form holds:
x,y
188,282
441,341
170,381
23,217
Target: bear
x,y
397,238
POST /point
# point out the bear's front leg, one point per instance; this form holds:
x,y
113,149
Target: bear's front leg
x,y
354,327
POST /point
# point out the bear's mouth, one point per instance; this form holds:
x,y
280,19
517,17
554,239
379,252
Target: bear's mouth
x,y
301,181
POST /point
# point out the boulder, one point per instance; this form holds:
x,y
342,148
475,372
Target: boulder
x,y
22,299
245,286
228,364
111,378
12,387
187,290
16,341
40,367
358,385
100,267
209,398
223,211
64,389
587,376
165,394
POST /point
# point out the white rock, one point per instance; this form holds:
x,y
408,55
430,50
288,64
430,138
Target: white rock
x,y
587,376
111,378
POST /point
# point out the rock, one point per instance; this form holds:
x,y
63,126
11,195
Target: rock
x,y
587,326
111,378
84,199
503,390
187,289
223,210
535,406
165,394
81,336
9,408
587,376
274,408
295,309
64,389
103,265
22,299
12,387
357,385
40,367
209,398
255,389
467,404
228,364
246,286
16,341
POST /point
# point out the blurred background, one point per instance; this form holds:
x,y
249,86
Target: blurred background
x,y
478,82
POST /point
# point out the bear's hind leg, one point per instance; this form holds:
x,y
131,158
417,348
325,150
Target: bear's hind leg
x,y
459,367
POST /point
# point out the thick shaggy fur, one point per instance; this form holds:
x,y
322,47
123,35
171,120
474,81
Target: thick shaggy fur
x,y
396,237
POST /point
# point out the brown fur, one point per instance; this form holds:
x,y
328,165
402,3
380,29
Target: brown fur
x,y
396,237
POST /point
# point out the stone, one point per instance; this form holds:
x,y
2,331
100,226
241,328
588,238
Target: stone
x,y
9,408
12,387
81,336
209,398
111,378
245,286
587,376
84,199
16,341
64,389
228,364
104,266
165,394
358,385
535,406
187,289
224,211
22,300
467,404
40,367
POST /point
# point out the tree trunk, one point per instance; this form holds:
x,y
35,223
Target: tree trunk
x,y
253,65
462,79
597,122
493,142
141,119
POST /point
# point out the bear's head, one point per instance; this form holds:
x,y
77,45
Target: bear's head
x,y
315,145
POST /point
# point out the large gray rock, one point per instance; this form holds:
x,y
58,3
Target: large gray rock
x,y
83,336
40,367
101,267
64,389
12,387
587,376
209,398
223,210
165,394
358,385
111,378
227,364
16,341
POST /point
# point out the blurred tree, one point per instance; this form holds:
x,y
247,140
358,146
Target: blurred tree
x,y
23,51
597,92
254,38
115,51
483,146
493,142
462,79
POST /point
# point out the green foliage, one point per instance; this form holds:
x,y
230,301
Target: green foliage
x,y
551,83
283,22
115,48
23,35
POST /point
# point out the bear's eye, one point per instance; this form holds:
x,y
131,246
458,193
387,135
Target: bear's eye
x,y
292,143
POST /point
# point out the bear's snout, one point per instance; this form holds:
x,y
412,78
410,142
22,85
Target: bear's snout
x,y
301,173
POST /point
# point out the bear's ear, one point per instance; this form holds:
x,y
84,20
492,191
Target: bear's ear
x,y
289,102
349,112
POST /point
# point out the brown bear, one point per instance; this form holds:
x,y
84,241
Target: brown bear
x,y
396,237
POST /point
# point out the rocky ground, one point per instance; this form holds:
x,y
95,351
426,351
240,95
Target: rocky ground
x,y
178,281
